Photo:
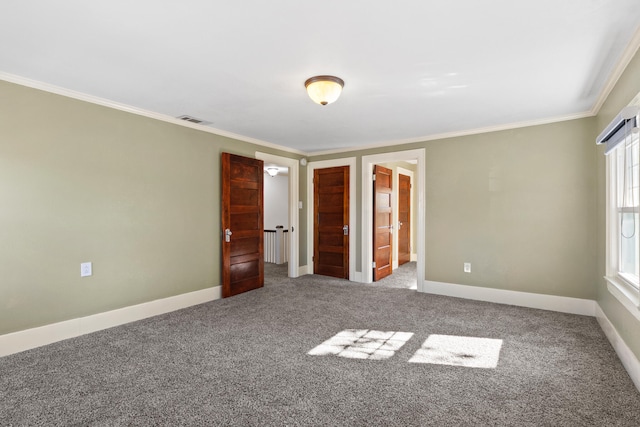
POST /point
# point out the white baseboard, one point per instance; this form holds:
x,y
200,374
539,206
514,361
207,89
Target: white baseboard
x,y
303,270
16,342
414,257
36,337
546,302
584,307
628,359
359,277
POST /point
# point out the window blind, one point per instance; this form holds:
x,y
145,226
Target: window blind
x,y
619,128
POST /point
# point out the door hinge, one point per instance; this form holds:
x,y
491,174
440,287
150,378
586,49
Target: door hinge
x,y
374,176
373,264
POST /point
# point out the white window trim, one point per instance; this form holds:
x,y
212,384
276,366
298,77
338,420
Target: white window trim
x,y
626,294
620,288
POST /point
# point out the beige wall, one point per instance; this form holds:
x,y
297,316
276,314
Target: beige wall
x,y
517,204
137,197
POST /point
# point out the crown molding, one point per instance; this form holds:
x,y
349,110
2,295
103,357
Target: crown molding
x,y
456,134
615,75
46,87
623,62
35,84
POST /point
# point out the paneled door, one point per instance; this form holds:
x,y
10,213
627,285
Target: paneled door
x,y
404,219
242,224
331,222
382,222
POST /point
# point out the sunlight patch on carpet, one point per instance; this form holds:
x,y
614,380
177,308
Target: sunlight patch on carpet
x,y
363,344
470,352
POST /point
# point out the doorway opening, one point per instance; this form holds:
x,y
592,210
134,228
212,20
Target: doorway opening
x,y
281,195
394,234
414,161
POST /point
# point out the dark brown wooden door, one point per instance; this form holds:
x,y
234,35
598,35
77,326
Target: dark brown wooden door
x,y
382,220
331,222
242,224
404,219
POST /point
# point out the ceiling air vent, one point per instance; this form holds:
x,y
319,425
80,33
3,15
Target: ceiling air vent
x,y
193,120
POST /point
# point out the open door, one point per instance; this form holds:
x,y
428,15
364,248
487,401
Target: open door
x,y
242,224
331,222
404,219
382,222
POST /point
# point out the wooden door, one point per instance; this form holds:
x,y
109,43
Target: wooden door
x,y
331,222
242,224
382,222
404,219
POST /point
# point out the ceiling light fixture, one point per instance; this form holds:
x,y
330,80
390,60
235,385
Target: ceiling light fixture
x,y
324,89
272,171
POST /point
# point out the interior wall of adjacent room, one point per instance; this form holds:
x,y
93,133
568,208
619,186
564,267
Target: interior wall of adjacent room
x,y
276,201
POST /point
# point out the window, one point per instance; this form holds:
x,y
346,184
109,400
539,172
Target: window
x,y
626,176
623,200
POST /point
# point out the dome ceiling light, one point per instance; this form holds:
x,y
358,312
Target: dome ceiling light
x,y
272,171
324,89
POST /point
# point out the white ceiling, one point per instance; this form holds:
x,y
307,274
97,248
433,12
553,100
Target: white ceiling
x,y
412,69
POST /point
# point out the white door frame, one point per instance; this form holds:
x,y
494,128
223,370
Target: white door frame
x,y
311,167
367,209
294,196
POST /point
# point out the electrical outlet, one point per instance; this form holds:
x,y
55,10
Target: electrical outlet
x,y
467,267
86,269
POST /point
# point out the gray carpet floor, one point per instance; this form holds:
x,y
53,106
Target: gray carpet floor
x,y
244,361
403,277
